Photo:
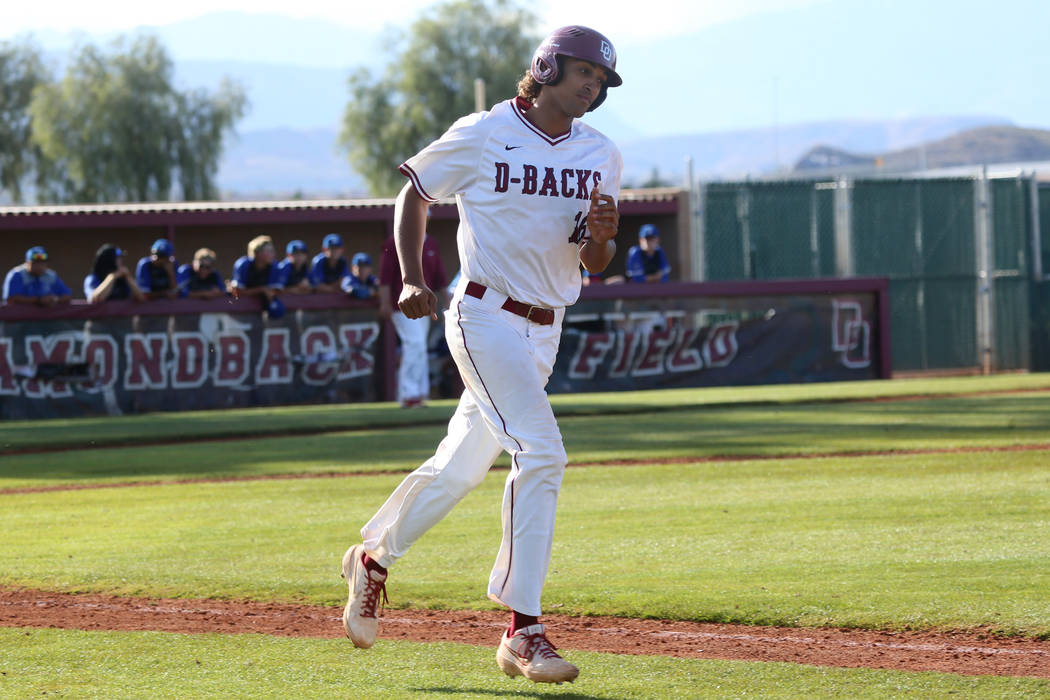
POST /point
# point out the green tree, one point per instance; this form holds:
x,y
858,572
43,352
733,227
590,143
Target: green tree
x,y
656,180
21,71
430,83
116,129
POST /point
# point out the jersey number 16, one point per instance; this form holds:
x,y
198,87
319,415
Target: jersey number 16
x,y
580,230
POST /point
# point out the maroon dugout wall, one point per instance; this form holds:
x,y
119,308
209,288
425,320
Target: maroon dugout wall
x,y
122,357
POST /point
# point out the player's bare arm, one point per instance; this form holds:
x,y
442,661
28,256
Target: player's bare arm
x,y
410,220
603,222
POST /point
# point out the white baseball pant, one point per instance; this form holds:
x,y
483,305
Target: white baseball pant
x,y
505,362
413,376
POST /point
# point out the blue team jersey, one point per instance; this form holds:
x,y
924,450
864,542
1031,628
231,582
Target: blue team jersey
x,y
360,288
289,276
640,265
322,274
190,281
246,275
20,283
152,278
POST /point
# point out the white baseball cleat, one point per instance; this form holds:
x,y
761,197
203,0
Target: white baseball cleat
x,y
359,616
528,653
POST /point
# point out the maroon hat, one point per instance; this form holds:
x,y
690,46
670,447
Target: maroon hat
x,y
577,42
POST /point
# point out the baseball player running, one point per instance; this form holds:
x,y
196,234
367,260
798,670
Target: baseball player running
x,y
536,190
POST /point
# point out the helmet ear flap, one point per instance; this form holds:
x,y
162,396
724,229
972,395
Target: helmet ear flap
x,y
547,69
598,100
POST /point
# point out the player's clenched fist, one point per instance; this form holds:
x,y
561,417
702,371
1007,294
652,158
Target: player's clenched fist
x,y
418,301
603,219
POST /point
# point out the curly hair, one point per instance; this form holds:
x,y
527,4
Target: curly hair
x,y
528,88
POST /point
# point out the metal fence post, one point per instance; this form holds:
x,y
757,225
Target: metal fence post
x,y
844,263
743,214
1035,231
814,233
696,221
984,306
920,275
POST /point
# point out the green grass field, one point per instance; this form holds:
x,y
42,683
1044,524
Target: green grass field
x,y
940,540
149,665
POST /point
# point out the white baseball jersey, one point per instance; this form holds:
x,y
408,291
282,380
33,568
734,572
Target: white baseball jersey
x,y
523,197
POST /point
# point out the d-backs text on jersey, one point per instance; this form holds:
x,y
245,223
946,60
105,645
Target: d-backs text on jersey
x,y
568,182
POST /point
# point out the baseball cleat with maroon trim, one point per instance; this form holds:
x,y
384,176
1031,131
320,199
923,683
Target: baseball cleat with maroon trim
x,y
359,615
528,653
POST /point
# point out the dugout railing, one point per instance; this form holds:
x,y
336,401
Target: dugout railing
x,y
125,357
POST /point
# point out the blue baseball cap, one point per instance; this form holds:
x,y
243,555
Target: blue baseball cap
x,y
162,247
648,231
295,247
36,253
361,259
332,240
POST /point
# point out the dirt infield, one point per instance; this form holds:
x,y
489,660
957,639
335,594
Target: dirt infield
x,y
971,652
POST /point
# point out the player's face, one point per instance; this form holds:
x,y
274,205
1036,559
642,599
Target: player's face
x,y
579,87
267,254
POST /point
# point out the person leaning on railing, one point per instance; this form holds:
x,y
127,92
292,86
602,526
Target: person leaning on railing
x,y
329,267
647,262
201,279
361,283
294,270
256,273
155,273
110,279
35,283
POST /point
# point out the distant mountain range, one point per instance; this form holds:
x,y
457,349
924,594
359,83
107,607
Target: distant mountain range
x,y
276,163
984,146
761,152
750,96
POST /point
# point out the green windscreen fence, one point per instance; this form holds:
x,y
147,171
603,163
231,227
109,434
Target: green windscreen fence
x,y
920,234
1011,275
923,234
1043,209
725,254
1040,298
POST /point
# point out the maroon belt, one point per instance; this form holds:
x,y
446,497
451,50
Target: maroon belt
x,y
536,314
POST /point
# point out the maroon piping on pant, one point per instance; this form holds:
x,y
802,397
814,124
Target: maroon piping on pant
x,y
514,458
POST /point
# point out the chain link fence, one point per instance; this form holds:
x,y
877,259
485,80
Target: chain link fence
x,y
958,253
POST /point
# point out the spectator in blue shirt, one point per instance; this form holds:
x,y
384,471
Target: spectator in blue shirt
x,y
256,274
646,262
35,283
295,269
155,273
329,266
201,280
361,283
110,279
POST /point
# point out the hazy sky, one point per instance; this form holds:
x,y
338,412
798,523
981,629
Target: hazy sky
x,y
620,19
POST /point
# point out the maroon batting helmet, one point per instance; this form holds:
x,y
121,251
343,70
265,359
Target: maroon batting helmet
x,y
578,42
